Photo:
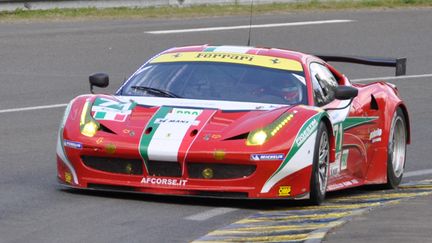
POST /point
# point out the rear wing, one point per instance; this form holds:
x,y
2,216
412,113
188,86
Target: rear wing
x,y
398,63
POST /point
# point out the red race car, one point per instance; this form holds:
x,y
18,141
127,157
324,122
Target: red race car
x,y
232,121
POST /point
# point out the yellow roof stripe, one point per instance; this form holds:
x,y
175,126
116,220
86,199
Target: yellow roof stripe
x,y
237,58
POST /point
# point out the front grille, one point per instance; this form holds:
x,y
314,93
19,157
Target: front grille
x,y
164,168
114,165
220,171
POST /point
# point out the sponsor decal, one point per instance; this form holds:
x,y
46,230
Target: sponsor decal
x,y
225,57
130,132
216,136
284,191
163,181
375,135
338,134
112,110
99,140
260,157
191,112
68,177
72,144
311,127
207,137
222,56
344,159
334,169
177,121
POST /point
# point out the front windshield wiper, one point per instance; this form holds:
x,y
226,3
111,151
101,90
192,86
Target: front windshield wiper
x,y
156,91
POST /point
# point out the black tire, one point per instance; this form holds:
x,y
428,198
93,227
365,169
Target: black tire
x,y
396,150
320,169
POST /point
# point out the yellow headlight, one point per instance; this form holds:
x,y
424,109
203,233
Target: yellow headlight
x,y
258,138
90,129
262,135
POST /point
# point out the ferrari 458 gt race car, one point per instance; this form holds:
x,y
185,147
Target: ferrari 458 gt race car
x,y
230,121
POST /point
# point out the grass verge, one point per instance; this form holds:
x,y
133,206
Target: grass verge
x,y
203,10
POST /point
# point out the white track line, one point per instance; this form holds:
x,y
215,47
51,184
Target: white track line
x,y
333,21
33,108
210,214
417,173
427,75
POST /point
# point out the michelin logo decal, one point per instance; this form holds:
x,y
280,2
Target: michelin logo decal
x,y
260,157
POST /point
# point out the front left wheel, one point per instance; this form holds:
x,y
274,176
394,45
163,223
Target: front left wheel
x,y
320,166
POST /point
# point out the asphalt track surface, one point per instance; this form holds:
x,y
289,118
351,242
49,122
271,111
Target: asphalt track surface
x,y
48,64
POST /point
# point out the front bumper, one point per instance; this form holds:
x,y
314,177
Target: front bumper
x,y
294,186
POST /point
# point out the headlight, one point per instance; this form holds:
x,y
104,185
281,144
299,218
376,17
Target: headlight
x,y
88,125
90,129
260,136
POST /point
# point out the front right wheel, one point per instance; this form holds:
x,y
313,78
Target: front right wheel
x,y
396,150
320,166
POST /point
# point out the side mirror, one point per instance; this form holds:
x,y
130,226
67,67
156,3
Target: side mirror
x,y
100,80
345,92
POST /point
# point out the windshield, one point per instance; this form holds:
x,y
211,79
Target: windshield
x,y
218,81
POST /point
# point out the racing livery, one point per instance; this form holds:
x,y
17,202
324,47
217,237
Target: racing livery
x,y
232,121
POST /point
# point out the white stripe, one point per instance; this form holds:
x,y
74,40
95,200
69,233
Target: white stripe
x,y
168,137
60,148
427,75
210,214
232,49
33,108
417,173
156,32
337,116
302,159
194,103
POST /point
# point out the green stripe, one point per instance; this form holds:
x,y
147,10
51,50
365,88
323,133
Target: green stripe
x,y
209,49
99,115
146,138
351,122
297,142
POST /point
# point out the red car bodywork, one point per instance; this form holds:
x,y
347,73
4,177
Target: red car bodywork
x,y
219,141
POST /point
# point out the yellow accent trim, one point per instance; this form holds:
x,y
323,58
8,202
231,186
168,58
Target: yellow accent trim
x,y
237,58
84,113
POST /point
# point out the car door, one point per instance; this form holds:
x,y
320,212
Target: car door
x,y
350,151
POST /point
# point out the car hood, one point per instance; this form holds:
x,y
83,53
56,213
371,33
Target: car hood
x,y
224,118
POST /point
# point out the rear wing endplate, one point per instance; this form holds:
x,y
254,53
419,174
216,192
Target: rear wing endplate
x,y
398,63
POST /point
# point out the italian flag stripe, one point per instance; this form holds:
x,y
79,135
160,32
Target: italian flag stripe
x,y
146,138
188,139
171,132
